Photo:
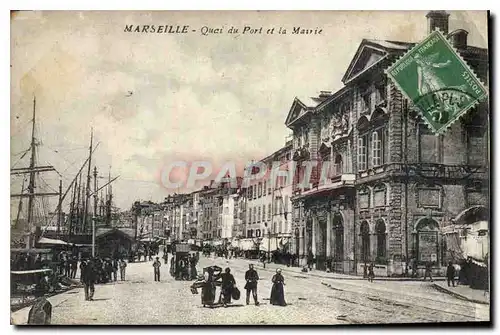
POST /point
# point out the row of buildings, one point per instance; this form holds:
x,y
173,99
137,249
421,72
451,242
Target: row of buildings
x,y
392,189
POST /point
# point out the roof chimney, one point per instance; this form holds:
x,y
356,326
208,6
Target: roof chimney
x,y
437,19
459,38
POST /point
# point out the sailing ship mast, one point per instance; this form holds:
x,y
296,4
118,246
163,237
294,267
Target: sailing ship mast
x,y
87,189
32,169
31,185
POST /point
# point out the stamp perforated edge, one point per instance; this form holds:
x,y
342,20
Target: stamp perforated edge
x,y
443,129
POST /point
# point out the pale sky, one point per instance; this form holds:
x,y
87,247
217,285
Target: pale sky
x,y
219,97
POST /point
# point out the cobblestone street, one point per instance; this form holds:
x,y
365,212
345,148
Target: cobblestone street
x,y
312,300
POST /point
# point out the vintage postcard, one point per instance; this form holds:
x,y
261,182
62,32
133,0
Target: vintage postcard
x,y
249,167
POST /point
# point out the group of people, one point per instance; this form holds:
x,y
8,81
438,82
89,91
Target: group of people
x,y
106,269
96,270
214,277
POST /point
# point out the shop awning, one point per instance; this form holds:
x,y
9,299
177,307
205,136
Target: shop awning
x,y
269,244
45,240
471,215
25,272
247,244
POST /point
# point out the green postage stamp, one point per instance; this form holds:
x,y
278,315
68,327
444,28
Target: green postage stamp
x,y
438,81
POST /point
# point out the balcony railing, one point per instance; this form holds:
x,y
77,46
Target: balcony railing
x,y
301,153
435,170
336,182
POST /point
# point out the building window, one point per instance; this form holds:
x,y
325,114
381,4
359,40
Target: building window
x,y
365,242
286,203
263,212
257,233
377,148
428,145
362,153
429,196
258,215
364,198
250,233
367,100
476,144
381,241
380,195
337,165
381,92
269,188
264,188
338,233
269,211
260,189
475,195
254,213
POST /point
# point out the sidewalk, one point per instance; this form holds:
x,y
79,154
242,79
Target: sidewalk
x,y
464,293
324,274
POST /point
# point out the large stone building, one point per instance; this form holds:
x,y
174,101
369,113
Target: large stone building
x,y
392,185
268,203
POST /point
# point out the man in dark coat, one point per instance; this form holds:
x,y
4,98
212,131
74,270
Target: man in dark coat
x,y
74,266
450,274
156,266
89,277
428,271
251,278
83,263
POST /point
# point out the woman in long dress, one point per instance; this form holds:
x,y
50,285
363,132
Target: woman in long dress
x,y
208,289
277,291
228,283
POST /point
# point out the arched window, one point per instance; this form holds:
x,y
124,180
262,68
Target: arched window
x,y
365,242
257,233
381,240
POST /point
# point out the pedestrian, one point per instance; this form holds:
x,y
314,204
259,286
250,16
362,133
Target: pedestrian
x,y
227,286
414,267
123,265
74,266
428,271
263,259
365,271
277,291
251,277
371,274
67,267
156,266
209,287
115,269
165,257
109,270
83,263
89,276
310,260
450,274
192,264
